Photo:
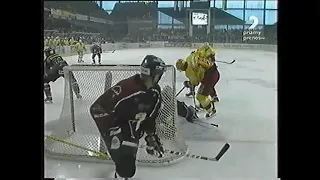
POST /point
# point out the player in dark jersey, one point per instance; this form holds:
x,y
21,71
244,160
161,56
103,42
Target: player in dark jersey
x,y
53,69
96,51
128,110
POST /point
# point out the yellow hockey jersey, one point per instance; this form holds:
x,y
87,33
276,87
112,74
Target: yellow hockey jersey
x,y
196,68
79,46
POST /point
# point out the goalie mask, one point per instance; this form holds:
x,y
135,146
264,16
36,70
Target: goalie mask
x,y
154,67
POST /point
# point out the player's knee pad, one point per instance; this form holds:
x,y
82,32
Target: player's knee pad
x,y
203,99
126,166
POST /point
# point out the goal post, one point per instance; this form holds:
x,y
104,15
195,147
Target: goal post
x,y
77,127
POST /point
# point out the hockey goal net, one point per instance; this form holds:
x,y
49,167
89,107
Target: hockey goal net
x,y
77,137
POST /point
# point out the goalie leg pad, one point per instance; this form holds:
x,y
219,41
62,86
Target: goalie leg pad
x,y
189,113
182,109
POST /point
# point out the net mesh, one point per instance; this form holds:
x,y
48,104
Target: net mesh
x,y
77,127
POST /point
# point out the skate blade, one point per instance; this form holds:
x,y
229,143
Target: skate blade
x,y
211,116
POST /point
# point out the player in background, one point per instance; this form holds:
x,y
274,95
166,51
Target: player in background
x,y
53,69
200,67
128,110
80,48
96,50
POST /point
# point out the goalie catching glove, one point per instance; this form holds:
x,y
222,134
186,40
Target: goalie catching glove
x,y
154,146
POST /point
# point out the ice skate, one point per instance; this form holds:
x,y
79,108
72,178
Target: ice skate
x,y
48,100
199,107
93,63
215,99
212,113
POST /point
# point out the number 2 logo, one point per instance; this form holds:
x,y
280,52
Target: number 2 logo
x,y
254,23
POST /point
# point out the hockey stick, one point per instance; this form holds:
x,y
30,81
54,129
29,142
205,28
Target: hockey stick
x,y
223,150
195,105
216,125
98,153
180,91
227,62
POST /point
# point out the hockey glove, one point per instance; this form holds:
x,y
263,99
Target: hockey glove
x,y
187,84
154,146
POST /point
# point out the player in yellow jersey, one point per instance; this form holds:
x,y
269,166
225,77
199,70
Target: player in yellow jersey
x,y
80,48
200,67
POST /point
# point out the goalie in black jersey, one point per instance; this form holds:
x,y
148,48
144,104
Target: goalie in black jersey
x,y
126,111
53,69
96,50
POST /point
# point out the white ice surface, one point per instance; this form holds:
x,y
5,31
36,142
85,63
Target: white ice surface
x,y
246,115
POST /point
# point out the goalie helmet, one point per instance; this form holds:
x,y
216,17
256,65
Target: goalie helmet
x,y
153,66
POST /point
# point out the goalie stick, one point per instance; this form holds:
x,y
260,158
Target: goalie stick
x,y
105,51
102,155
226,62
223,150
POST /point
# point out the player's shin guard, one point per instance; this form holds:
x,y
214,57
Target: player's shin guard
x,y
214,95
47,92
93,58
206,103
99,58
211,110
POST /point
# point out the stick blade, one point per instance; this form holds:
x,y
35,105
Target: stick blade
x,y
232,61
222,151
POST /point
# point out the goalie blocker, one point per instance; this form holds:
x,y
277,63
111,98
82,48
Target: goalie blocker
x,y
128,110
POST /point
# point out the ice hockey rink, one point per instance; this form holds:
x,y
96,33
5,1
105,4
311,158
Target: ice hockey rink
x,y
247,119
